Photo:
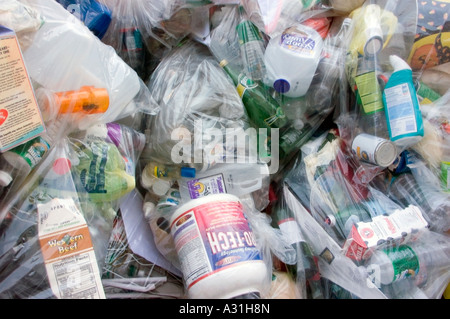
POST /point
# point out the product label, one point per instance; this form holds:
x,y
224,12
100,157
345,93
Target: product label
x,y
67,250
279,114
400,110
369,92
404,261
20,117
213,237
298,41
244,84
205,186
33,151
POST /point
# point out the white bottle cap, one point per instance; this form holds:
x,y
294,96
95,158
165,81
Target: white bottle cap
x,y
148,208
5,178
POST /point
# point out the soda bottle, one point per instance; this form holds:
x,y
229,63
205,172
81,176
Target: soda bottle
x,y
252,48
262,109
416,261
284,219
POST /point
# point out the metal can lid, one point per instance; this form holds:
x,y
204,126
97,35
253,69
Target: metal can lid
x,y
386,153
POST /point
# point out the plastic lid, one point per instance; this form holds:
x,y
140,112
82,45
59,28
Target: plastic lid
x,y
188,172
5,178
281,86
386,154
100,24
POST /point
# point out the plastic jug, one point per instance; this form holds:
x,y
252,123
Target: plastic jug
x,y
291,60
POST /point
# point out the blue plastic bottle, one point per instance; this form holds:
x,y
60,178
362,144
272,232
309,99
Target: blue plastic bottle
x,y
401,106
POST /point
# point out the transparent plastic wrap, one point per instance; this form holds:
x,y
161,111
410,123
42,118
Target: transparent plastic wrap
x,y
199,110
418,270
61,217
66,56
272,17
230,257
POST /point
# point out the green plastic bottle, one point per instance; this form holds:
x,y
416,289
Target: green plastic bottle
x,y
262,109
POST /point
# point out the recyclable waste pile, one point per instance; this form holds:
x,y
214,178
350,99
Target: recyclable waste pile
x,y
224,149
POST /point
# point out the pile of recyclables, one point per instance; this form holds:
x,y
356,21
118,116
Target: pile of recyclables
x,y
218,149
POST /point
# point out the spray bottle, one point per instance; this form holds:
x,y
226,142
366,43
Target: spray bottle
x,y
401,105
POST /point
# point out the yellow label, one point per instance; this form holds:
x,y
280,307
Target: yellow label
x,y
369,92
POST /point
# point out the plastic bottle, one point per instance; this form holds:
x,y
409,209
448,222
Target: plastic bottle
x,y
251,43
225,178
86,100
166,171
283,218
343,221
401,105
133,47
262,109
368,90
17,163
291,60
217,250
416,261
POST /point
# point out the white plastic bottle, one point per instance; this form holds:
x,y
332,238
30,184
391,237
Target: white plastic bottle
x,y
225,178
217,250
291,60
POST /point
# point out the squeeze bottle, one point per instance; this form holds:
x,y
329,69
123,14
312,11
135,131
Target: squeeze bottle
x,y
404,119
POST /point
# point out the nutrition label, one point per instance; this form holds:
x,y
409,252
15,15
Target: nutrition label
x,y
67,250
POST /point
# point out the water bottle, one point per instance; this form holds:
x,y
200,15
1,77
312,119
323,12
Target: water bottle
x,y
251,43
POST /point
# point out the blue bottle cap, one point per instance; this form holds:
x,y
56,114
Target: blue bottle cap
x,y
96,16
281,86
187,172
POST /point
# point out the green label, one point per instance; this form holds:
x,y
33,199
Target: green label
x,y
33,151
405,262
445,176
369,92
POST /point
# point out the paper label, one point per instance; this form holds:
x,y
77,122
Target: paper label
x,y
67,250
299,42
201,187
20,117
400,109
212,237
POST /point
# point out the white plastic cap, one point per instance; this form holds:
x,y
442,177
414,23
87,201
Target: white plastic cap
x,y
5,178
398,63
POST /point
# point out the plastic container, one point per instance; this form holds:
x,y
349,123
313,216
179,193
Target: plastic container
x,y
226,178
87,99
216,248
402,107
291,60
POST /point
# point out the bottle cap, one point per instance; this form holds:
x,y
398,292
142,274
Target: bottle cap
x,y
148,209
281,86
187,172
97,18
5,178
